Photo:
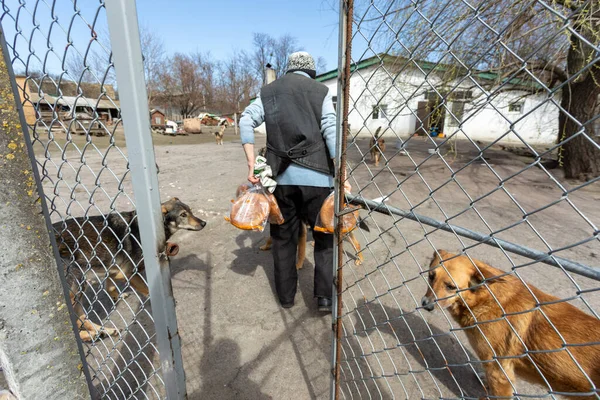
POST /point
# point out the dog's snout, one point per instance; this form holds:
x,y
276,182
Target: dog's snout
x,y
196,223
427,303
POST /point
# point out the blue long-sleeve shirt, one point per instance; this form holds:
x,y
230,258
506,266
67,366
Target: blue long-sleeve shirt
x,y
295,174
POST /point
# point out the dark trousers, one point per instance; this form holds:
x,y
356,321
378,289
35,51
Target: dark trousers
x,y
300,203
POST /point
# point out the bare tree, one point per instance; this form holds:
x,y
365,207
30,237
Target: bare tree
x,y
268,50
207,68
238,82
181,84
282,48
543,46
153,53
262,55
321,65
96,65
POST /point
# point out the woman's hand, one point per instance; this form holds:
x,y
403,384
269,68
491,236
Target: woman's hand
x,y
253,179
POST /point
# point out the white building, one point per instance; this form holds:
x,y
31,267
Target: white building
x,y
412,96
409,96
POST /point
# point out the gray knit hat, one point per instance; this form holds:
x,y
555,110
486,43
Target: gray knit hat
x,y
301,61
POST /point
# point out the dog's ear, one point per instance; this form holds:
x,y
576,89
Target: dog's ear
x,y
163,209
436,258
484,272
443,254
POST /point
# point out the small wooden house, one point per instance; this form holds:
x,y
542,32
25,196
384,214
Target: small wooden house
x,y
157,117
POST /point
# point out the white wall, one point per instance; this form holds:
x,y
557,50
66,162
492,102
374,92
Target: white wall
x,y
372,85
536,124
483,120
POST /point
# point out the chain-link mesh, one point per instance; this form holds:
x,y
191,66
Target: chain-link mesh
x,y
473,128
61,56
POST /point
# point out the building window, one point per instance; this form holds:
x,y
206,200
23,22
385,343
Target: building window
x,y
334,100
157,120
516,107
379,111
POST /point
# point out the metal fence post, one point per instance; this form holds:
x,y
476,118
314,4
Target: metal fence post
x,y
127,55
343,88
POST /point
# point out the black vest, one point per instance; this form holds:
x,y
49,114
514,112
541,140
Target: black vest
x,y
293,106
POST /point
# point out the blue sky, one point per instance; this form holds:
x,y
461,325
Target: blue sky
x,y
218,27
222,26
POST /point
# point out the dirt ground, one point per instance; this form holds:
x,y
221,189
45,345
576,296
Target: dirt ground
x,y
237,342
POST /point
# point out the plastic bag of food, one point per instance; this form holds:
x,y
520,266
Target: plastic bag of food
x,y
325,219
275,215
250,210
243,188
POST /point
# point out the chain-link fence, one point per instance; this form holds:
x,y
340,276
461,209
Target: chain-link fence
x,y
64,60
473,147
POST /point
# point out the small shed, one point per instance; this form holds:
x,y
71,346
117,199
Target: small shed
x,y
157,117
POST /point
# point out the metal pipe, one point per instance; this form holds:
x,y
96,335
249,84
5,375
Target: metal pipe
x,y
172,249
559,262
345,50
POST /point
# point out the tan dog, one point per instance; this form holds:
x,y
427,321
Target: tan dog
x,y
376,147
219,135
474,294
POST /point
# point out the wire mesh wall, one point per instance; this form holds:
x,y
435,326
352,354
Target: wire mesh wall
x,y
61,56
472,127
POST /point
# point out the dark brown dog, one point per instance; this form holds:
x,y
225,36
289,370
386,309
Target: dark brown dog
x,y
108,249
508,318
376,147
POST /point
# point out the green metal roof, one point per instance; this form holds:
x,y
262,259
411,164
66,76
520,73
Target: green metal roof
x,y
382,58
378,59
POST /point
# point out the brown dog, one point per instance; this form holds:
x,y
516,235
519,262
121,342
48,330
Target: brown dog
x,y
108,249
219,135
301,252
516,328
376,147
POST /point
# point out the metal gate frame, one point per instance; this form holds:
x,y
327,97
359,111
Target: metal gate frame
x,y
127,57
127,54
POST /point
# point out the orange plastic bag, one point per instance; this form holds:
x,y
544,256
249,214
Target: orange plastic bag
x,y
275,215
250,210
325,219
243,188
253,208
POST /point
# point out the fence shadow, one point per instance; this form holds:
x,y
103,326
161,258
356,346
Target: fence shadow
x,y
129,365
249,258
441,358
126,363
224,376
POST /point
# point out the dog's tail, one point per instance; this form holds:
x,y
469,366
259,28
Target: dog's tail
x,y
377,133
